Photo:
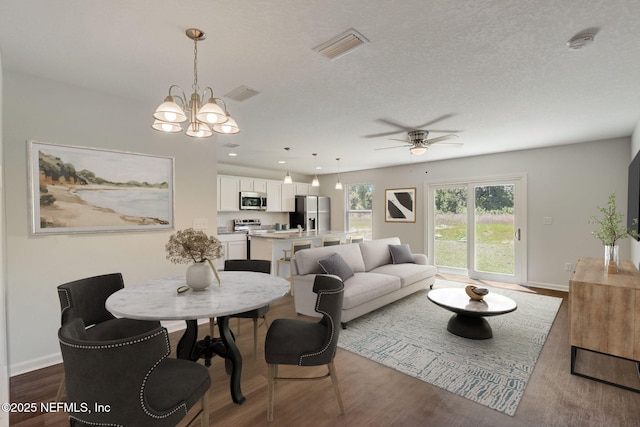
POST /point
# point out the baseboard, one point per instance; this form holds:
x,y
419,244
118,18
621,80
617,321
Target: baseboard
x,y
550,286
56,358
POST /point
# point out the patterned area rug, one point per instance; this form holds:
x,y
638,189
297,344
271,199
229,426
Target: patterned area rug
x,y
411,336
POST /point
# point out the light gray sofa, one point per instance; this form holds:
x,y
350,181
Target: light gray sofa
x,y
376,280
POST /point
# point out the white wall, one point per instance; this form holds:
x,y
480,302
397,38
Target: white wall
x,y
48,111
566,183
4,366
635,148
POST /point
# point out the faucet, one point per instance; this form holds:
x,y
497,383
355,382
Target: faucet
x,y
299,229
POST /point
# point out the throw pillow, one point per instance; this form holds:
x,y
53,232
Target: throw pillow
x,y
401,254
335,264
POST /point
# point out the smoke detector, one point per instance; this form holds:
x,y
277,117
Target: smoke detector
x,y
581,40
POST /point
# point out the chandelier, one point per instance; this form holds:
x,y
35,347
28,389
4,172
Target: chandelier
x,y
203,119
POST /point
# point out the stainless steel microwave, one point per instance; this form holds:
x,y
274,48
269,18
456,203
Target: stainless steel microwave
x,y
251,201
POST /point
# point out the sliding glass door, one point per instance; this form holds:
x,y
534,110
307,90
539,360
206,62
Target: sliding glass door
x,y
475,228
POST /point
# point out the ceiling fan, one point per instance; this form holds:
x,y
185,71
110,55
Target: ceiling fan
x,y
418,142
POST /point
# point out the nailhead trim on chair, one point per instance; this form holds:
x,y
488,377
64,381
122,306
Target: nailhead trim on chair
x,y
333,327
68,298
144,382
96,424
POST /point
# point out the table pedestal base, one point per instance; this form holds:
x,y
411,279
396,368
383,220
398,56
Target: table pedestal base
x,y
190,348
472,327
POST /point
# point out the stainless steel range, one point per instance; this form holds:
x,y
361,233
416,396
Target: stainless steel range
x,y
247,225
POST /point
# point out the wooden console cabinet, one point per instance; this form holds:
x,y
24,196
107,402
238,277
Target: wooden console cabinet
x,y
604,310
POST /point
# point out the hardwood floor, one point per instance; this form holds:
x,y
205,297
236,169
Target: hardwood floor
x,y
375,395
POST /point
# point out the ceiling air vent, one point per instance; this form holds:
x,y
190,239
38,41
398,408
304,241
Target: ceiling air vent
x,y
340,45
241,93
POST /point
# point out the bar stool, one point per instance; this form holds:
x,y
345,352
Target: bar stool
x,y
355,239
288,255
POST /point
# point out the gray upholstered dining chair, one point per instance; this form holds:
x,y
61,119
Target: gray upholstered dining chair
x,y
130,381
303,343
85,298
259,266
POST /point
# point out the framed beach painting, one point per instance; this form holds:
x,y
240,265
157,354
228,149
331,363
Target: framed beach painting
x,y
89,190
400,205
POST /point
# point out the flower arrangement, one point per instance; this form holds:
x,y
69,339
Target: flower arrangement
x,y
187,246
611,228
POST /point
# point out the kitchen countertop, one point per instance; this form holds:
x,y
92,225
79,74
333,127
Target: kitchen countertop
x,y
295,234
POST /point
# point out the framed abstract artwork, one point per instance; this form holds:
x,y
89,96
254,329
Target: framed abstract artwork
x,y
400,205
88,190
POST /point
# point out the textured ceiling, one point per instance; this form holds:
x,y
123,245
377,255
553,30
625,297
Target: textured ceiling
x,y
498,71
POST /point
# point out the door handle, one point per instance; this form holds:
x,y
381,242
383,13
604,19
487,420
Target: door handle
x,y
517,234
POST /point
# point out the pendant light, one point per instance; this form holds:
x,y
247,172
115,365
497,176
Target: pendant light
x,y
287,177
338,183
203,119
315,182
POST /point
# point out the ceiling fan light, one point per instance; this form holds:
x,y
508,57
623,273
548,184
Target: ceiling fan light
x,y
212,113
199,130
169,127
170,112
418,151
228,127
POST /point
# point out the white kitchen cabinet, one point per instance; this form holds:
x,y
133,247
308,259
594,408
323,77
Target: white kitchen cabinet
x,y
260,185
228,193
288,198
301,188
234,246
250,184
274,196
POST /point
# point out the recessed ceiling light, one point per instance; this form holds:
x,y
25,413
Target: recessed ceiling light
x,y
318,167
281,162
233,154
581,40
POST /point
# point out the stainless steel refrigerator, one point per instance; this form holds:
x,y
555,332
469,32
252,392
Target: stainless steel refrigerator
x,y
312,213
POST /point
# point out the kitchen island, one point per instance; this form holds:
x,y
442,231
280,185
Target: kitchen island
x,y
270,245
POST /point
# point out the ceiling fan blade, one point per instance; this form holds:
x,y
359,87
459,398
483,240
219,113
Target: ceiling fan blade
x,y
396,139
397,146
436,120
395,124
379,135
441,138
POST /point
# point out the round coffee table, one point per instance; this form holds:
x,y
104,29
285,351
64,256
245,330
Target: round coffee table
x,y
469,318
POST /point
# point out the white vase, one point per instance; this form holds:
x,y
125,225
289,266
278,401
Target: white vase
x,y
611,258
199,276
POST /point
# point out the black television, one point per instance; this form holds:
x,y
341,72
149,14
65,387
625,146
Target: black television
x,y
633,198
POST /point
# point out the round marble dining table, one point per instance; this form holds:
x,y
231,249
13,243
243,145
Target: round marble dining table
x,y
239,291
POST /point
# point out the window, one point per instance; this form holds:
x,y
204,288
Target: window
x,y
359,209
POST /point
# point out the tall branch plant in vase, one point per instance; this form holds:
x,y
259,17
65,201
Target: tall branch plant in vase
x,y
194,246
611,229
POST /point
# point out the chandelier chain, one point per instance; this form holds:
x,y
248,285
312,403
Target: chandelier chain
x,y
195,66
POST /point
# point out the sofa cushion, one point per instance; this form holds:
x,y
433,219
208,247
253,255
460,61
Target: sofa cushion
x,y
335,264
307,259
407,273
376,252
401,254
363,287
